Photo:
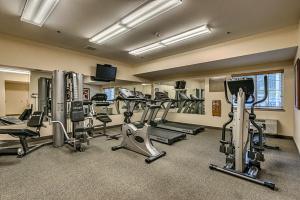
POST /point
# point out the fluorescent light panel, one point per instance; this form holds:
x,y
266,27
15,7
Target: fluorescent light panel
x,y
145,49
14,70
140,15
37,11
174,39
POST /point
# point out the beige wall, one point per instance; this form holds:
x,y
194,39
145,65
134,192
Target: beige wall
x,y
286,124
297,112
16,97
9,77
28,54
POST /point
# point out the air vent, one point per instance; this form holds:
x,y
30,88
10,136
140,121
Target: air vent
x,y
88,47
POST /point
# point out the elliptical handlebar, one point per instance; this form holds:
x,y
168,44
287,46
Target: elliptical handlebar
x,y
265,94
226,92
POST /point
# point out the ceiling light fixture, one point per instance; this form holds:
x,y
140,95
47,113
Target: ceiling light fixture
x,y
145,49
37,11
140,15
201,30
14,70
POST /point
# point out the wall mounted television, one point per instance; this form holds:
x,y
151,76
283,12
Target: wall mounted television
x,y
105,72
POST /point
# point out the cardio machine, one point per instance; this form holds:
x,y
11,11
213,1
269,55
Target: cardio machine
x,y
99,101
169,125
243,157
137,138
157,134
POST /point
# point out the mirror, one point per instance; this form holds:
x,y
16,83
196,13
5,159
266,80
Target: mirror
x,y
189,95
111,89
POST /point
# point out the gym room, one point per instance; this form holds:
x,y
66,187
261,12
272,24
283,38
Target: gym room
x,y
150,99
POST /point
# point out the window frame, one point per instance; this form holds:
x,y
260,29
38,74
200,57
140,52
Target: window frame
x,y
281,71
110,88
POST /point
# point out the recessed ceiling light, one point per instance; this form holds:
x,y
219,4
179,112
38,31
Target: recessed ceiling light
x,y
201,30
145,12
37,11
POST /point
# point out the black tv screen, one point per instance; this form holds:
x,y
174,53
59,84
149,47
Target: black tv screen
x,y
105,72
180,85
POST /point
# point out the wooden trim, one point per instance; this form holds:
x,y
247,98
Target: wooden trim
x,y
297,84
286,137
278,136
269,109
259,72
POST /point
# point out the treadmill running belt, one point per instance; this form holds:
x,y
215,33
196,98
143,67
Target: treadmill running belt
x,y
165,136
181,127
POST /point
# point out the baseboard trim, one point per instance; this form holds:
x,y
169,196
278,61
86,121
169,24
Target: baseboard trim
x,y
279,136
268,135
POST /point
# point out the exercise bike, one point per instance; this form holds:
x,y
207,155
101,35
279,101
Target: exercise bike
x,y
137,138
243,157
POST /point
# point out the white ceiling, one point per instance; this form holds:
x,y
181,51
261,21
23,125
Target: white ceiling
x,y
80,19
249,60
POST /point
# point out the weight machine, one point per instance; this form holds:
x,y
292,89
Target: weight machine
x,y
67,110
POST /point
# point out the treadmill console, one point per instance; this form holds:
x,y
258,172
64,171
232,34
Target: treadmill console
x,y
139,94
183,96
125,93
161,96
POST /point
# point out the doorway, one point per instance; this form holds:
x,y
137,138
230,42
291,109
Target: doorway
x,y
16,97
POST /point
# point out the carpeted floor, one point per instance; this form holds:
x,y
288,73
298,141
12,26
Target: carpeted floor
x,y
99,173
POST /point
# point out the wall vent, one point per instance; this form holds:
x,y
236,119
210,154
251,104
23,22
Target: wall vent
x,y
88,47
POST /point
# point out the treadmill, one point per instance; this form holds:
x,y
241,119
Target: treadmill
x,y
156,134
197,105
174,126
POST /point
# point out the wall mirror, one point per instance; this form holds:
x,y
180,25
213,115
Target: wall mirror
x,y
188,94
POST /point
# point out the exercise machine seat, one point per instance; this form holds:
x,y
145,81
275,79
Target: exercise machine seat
x,y
104,118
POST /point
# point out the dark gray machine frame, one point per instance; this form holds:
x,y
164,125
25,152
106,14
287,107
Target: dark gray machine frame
x,y
243,156
67,110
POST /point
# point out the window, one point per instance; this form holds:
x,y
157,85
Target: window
x,y
275,89
110,92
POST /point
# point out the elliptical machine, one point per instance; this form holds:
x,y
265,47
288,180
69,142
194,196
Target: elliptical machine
x,y
243,157
137,138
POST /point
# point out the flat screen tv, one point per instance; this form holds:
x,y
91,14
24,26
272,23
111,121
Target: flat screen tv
x,y
105,73
180,85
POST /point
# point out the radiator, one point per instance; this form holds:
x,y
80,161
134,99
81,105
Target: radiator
x,y
269,125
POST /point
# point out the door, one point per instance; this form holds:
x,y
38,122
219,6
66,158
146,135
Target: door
x,y
16,97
